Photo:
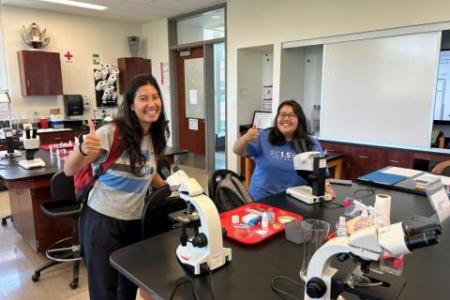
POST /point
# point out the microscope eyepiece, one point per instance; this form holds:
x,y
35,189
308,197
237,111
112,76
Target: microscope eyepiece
x,y
421,240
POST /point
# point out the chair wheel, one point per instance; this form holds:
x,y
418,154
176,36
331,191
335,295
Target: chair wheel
x,y
36,276
73,285
4,222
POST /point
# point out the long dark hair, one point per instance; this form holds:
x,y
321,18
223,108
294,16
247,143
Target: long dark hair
x,y
130,131
301,136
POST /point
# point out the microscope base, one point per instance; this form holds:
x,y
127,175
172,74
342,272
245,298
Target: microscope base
x,y
304,194
32,163
193,260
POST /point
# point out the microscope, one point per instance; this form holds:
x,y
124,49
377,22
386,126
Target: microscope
x,y
364,247
10,152
203,251
311,166
31,145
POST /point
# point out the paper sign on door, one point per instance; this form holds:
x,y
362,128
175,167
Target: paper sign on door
x,y
193,99
193,124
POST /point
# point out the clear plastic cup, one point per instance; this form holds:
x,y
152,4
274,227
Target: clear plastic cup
x,y
314,233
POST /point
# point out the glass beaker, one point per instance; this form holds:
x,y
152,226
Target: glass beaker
x,y
314,233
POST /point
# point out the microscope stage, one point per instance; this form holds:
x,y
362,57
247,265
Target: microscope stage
x,y
304,194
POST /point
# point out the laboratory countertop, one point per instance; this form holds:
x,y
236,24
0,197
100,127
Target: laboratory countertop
x,y
393,146
153,266
10,170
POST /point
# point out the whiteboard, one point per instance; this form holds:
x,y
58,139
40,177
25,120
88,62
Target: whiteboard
x,y
380,90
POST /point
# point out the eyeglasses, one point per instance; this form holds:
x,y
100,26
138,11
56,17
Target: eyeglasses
x,y
290,116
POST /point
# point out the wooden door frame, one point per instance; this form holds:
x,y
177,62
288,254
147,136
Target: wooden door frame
x,y
209,44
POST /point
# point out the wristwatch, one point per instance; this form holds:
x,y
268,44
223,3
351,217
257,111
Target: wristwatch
x,y
80,142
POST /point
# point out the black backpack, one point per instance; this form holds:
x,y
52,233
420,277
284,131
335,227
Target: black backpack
x,y
231,193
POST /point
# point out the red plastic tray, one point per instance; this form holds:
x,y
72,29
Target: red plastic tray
x,y
251,235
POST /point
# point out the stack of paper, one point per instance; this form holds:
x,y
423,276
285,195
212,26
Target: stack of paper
x,y
421,181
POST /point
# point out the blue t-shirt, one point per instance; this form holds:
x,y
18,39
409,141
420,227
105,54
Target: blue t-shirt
x,y
274,171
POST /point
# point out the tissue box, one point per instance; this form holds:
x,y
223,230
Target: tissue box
x,y
251,219
56,124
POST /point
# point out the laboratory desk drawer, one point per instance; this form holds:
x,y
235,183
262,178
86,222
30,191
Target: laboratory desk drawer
x,y
367,157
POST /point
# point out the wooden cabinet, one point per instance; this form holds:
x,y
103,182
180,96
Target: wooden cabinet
x,y
58,137
40,73
129,67
399,158
364,159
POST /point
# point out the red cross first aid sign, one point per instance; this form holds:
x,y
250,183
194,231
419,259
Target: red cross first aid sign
x,y
68,57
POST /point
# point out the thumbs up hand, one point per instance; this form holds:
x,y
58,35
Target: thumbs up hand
x,y
91,141
252,134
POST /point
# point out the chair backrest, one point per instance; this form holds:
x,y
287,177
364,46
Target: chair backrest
x,y
62,187
217,176
155,214
227,190
442,168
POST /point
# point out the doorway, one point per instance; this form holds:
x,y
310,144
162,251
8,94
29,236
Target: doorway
x,y
191,105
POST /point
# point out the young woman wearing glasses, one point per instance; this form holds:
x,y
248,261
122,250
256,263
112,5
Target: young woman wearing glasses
x,y
274,148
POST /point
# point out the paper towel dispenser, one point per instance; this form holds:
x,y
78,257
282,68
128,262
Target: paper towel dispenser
x,y
73,105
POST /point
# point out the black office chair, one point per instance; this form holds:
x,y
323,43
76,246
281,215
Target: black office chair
x,y
4,220
64,206
155,216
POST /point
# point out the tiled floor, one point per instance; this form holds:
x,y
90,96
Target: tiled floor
x,y
18,261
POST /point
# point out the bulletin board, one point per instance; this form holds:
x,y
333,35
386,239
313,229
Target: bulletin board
x,y
194,88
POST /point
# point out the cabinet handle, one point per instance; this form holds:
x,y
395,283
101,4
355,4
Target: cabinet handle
x,y
58,138
331,150
363,157
28,83
394,161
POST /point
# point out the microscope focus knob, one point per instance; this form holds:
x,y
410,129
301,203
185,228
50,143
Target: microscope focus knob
x,y
200,240
316,287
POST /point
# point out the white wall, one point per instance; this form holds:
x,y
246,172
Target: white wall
x,y
249,25
250,85
3,74
292,75
157,41
312,79
82,36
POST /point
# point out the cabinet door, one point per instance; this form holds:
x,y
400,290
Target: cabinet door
x,y
365,159
129,67
40,73
399,158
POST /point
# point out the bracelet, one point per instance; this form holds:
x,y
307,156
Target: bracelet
x,y
81,151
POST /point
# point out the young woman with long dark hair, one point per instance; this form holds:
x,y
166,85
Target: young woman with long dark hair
x,y
111,217
273,150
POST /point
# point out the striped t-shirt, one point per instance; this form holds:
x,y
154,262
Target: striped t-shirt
x,y
118,193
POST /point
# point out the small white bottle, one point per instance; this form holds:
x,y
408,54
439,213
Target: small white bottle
x,y
265,221
341,227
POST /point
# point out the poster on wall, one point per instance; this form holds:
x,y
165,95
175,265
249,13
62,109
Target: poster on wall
x,y
95,59
69,57
267,98
164,69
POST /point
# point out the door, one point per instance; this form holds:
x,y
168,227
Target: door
x,y
191,104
